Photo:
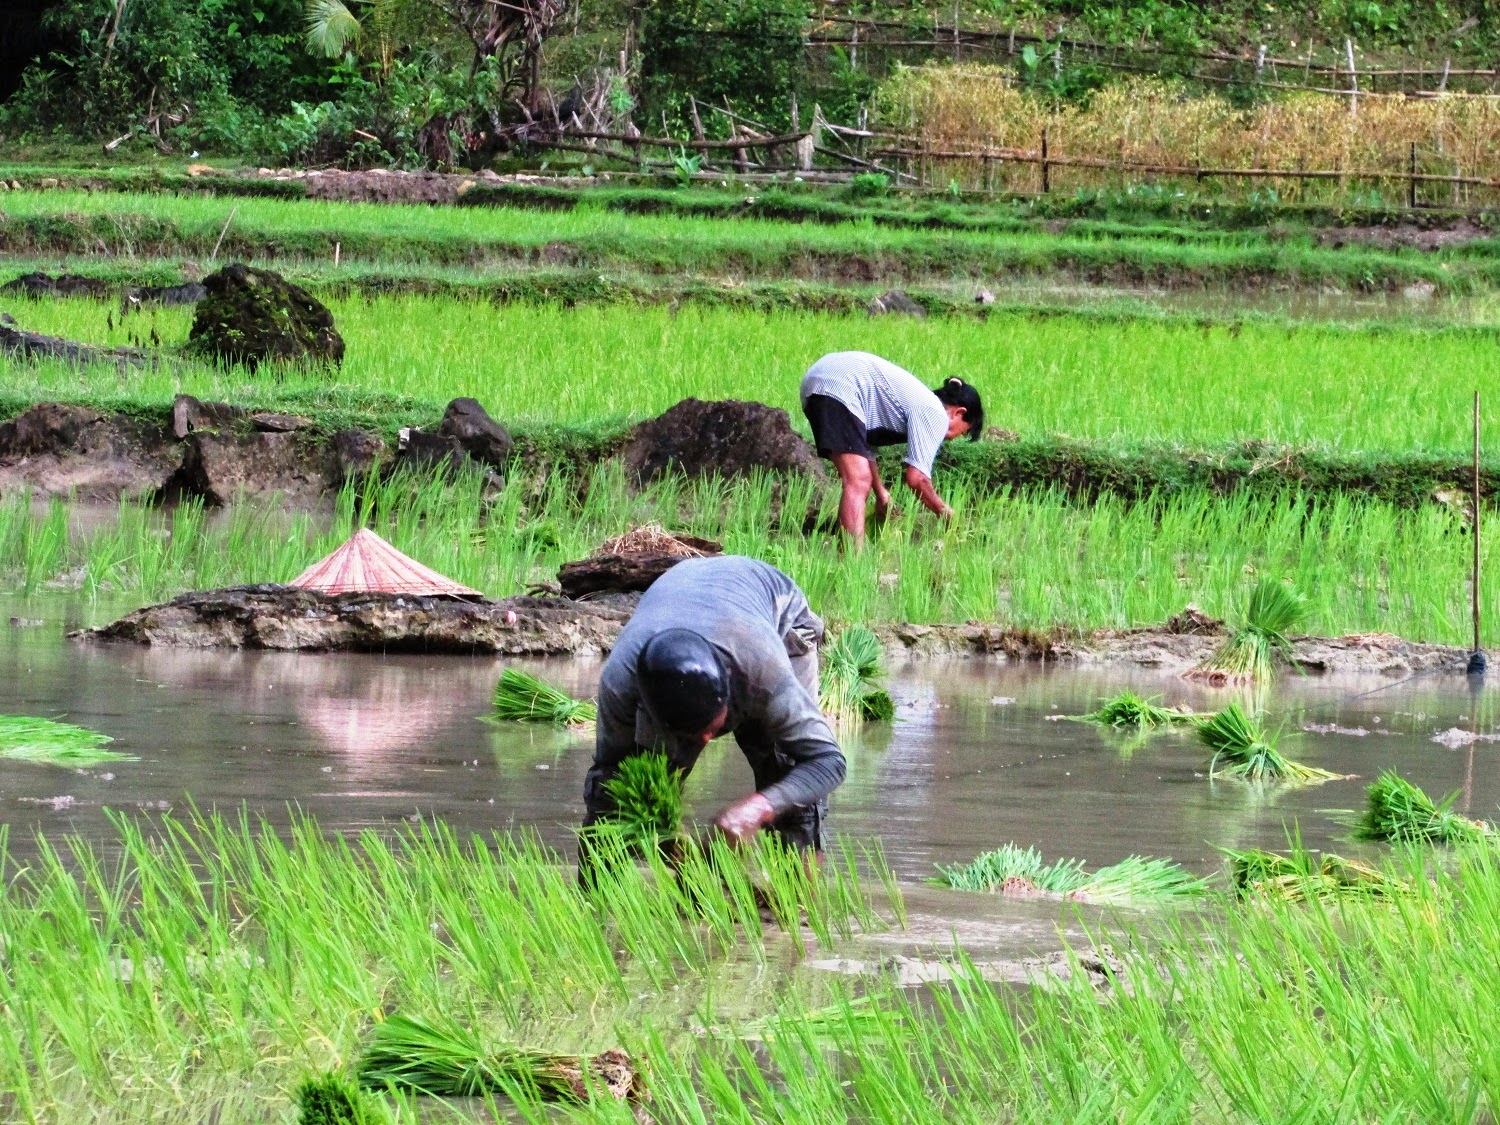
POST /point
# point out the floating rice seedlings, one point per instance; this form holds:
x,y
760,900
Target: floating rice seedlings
x,y
440,1057
1129,710
1244,749
1399,812
1013,870
25,739
333,1098
1300,875
850,678
1252,651
522,697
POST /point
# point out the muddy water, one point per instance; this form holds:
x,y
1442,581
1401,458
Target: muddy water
x,y
975,758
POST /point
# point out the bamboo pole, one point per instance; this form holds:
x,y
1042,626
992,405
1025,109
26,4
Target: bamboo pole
x,y
1476,658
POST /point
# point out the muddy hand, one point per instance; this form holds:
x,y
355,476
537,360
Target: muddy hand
x,y
743,819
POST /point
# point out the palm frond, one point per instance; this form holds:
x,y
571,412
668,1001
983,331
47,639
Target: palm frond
x,y
329,28
1399,812
1242,748
26,739
522,697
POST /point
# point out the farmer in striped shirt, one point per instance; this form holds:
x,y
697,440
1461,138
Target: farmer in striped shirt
x,y
856,401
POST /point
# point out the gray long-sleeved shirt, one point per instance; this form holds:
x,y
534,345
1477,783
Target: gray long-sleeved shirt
x,y
766,634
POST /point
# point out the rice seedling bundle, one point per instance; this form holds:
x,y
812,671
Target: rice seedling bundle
x,y
1300,875
1251,652
1399,812
648,804
1022,872
334,1098
442,1058
522,697
1134,711
26,739
1243,748
850,678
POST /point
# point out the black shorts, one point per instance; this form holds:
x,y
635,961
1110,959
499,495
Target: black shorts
x,y
836,429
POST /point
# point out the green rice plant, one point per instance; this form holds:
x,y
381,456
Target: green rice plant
x,y
522,697
440,1057
26,739
1128,709
1022,871
1247,751
1399,812
1252,651
1300,875
333,1098
850,679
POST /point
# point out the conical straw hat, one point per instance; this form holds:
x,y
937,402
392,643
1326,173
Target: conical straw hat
x,y
367,564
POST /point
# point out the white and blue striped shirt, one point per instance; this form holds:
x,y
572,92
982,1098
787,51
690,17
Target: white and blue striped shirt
x,y
883,397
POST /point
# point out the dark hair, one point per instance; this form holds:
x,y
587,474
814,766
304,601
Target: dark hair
x,y
955,392
682,681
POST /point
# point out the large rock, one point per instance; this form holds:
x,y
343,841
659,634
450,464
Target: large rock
x,y
728,438
223,467
252,316
34,345
63,285
61,449
477,434
289,619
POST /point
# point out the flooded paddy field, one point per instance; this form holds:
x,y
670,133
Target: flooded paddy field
x,y
978,754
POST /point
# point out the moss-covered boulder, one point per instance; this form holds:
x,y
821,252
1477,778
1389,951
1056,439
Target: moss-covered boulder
x,y
252,316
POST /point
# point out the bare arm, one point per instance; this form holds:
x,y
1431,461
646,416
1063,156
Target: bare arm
x,y
920,483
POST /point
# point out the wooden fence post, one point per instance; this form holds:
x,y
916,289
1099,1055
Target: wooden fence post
x,y
1046,179
1411,181
1353,79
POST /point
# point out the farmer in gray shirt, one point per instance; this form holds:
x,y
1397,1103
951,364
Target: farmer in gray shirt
x,y
718,645
855,401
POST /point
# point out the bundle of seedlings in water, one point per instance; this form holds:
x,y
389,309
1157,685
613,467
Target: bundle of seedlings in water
x,y
333,1098
441,1058
1398,812
1022,873
1243,749
850,679
1252,651
1300,876
647,815
521,697
1129,711
24,739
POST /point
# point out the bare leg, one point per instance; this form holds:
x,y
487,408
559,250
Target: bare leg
x,y
858,476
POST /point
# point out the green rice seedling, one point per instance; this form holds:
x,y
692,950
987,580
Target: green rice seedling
x,y
522,697
25,739
648,803
1300,875
333,1098
440,1057
1247,751
1022,871
1129,710
850,676
1399,812
1252,651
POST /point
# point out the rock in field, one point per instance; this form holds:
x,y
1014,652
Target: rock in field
x,y
60,449
252,316
477,434
728,438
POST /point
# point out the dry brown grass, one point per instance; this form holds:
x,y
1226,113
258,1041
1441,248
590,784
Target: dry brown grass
x,y
1151,121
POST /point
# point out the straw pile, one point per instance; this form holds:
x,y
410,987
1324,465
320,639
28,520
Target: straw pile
x,y
654,539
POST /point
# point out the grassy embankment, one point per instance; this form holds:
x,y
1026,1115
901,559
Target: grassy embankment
x,y
205,978
154,225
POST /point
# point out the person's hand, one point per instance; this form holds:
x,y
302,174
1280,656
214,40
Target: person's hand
x,y
882,509
945,514
743,819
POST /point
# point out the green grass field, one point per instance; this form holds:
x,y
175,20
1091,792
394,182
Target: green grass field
x,y
1126,382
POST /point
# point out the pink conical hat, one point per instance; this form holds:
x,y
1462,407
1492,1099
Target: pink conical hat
x,y
367,564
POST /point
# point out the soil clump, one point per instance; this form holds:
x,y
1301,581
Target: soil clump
x,y
34,345
36,285
253,315
727,438
61,449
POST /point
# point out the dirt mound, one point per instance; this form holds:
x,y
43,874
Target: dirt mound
x,y
188,293
630,563
62,449
253,315
727,438
62,285
288,619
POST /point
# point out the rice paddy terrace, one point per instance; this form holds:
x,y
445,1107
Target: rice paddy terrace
x,y
229,874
